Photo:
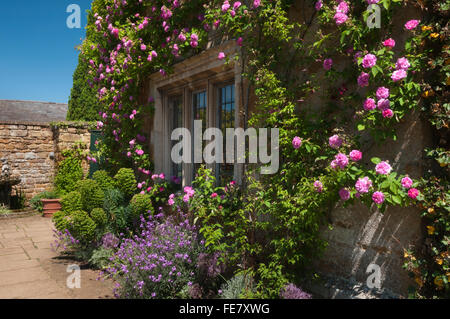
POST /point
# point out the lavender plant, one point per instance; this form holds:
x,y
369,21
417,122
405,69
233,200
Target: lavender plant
x,y
160,262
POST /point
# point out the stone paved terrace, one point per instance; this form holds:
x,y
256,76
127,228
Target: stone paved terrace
x,y
30,269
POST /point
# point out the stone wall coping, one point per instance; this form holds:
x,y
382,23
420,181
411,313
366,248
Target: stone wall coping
x,y
52,124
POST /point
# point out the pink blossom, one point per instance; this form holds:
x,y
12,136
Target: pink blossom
x,y
372,1
369,61
382,93
221,56
140,152
236,5
407,182
363,185
340,18
99,125
342,7
143,47
225,6
240,41
378,197
181,37
162,176
335,141
412,24
256,3
389,43
171,202
297,142
383,168
341,160
369,104
355,155
327,64
413,193
398,75
363,79
402,64
318,5
214,195
344,194
387,113
318,186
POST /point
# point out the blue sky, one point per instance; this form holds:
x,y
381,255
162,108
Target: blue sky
x,y
37,49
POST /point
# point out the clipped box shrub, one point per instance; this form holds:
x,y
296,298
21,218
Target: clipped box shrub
x,y
126,181
61,220
98,215
105,181
141,204
82,227
92,195
71,202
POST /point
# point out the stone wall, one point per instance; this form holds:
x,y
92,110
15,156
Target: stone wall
x,y
33,149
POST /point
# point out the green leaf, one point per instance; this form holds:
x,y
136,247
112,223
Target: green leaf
x,y
376,160
361,127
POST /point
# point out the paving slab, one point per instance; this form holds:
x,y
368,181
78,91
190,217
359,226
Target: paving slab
x,y
31,269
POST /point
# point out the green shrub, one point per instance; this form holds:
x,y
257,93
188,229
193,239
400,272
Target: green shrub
x,y
36,202
105,181
98,215
126,182
71,202
141,204
70,171
92,195
114,198
82,227
61,220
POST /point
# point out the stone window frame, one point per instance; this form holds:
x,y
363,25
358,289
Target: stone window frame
x,y
203,72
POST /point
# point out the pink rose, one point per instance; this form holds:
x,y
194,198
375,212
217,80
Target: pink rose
x,y
335,141
407,182
214,195
378,197
387,113
340,18
383,168
369,61
342,7
411,24
341,160
382,93
318,5
363,185
221,56
383,104
369,104
389,43
402,64
398,75
355,155
318,186
413,193
297,142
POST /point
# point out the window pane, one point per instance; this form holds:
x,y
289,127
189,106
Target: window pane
x,y
177,122
226,118
199,113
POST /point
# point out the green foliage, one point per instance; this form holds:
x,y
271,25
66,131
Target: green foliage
x,y
83,103
126,182
82,227
104,180
141,204
92,195
70,170
71,202
61,220
4,210
98,215
238,287
36,202
118,212
100,258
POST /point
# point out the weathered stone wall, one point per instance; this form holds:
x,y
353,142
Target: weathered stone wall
x,y
33,149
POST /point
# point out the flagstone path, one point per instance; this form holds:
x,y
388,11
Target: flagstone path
x,y
30,269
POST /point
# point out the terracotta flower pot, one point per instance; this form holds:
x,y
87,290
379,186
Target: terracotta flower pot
x,y
51,206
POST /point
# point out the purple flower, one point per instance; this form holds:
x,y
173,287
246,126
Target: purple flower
x,y
344,194
291,291
363,79
383,104
327,64
297,142
387,113
340,18
318,5
335,141
318,186
369,104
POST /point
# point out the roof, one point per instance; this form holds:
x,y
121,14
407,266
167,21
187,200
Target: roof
x,y
32,111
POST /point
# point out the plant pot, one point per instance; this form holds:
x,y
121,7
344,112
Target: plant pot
x,y
51,206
